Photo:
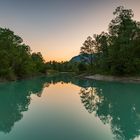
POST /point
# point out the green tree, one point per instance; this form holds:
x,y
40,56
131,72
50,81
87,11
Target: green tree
x,y
15,57
118,51
101,52
87,50
82,67
124,33
38,62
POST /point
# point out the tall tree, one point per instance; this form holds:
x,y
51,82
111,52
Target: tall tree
x,y
15,57
88,49
118,51
124,33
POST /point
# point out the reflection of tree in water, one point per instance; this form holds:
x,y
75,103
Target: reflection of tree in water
x,y
11,106
89,97
117,105
15,99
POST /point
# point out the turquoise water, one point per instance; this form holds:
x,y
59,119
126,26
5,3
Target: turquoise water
x,y
66,108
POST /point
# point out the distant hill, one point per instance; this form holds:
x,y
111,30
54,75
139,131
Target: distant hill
x,y
80,58
76,58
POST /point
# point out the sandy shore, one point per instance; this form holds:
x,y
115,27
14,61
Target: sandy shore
x,y
113,78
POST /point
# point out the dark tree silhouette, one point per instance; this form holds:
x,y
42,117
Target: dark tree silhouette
x,y
118,51
16,59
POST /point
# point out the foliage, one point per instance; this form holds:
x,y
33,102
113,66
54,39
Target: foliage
x,y
87,50
119,110
15,57
62,66
82,67
118,51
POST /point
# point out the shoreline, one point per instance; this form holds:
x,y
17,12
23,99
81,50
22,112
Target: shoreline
x,y
2,80
99,77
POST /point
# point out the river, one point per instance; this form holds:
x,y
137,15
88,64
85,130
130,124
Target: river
x,y
62,107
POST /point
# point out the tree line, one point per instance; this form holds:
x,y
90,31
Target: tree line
x,y
16,59
116,52
66,66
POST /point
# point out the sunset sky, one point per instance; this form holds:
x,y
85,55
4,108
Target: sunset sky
x,y
57,28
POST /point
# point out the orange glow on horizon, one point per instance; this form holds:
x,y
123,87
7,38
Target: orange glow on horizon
x,y
58,59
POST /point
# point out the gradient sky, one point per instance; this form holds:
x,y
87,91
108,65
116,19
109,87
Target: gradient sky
x,y
57,28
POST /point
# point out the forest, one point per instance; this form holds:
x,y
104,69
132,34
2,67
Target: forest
x,y
116,52
16,59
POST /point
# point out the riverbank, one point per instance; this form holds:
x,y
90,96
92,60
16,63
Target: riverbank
x,y
49,73
113,78
3,80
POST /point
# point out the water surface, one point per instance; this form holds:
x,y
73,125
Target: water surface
x,y
66,108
